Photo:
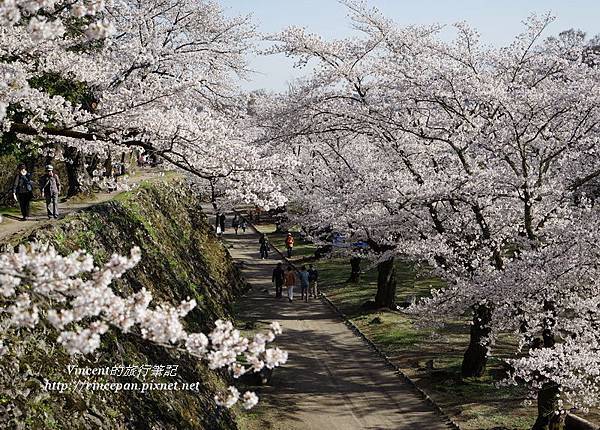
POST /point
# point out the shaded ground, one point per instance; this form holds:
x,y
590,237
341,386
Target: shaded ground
x,y
430,358
332,380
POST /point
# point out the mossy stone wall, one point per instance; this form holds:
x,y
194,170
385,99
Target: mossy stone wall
x,y
181,258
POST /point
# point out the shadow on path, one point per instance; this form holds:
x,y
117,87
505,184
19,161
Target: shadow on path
x,y
332,380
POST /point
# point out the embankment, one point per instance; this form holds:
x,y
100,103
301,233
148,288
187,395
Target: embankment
x,y
181,258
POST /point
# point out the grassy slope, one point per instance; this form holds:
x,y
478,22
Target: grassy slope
x,y
181,258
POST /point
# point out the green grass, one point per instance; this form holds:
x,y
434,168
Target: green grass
x,y
431,359
36,205
302,249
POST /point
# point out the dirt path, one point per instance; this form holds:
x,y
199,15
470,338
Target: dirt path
x,y
12,224
332,380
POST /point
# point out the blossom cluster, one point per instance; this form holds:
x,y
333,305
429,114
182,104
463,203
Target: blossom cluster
x,y
478,163
160,79
75,297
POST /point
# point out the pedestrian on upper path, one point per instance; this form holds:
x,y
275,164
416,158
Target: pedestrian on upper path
x,y
278,279
264,246
23,190
50,187
222,222
243,226
303,276
313,277
289,244
290,282
235,223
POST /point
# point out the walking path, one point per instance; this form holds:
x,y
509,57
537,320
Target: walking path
x,y
12,224
332,381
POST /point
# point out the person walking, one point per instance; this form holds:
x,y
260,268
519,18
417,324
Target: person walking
x,y
235,223
23,190
50,187
290,282
289,244
222,223
303,276
243,226
264,246
278,279
313,277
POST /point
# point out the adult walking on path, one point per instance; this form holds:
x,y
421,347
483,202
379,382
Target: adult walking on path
x,y
332,380
290,282
264,246
289,244
50,187
235,223
222,222
303,276
278,277
23,190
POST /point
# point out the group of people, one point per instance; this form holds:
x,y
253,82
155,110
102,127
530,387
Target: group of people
x,y
306,277
237,223
263,245
23,186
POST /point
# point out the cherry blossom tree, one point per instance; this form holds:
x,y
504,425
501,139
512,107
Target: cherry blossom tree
x,y
469,155
156,76
75,297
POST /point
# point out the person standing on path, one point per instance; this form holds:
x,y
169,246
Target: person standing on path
x,y
23,190
243,226
313,277
264,246
235,223
289,244
290,282
278,279
50,186
222,223
303,275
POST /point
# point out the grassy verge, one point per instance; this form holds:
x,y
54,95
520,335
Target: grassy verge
x,y
14,211
431,359
302,250
262,416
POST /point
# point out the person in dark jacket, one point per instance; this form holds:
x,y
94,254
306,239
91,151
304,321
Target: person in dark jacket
x,y
304,283
278,279
235,223
222,222
23,190
50,186
264,246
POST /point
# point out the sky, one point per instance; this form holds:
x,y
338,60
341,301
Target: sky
x,y
497,22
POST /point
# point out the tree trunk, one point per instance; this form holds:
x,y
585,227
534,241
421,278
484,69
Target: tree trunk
x,y
77,175
355,270
108,166
475,358
548,395
547,404
386,285
93,162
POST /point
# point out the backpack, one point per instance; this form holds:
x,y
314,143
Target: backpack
x,y
25,183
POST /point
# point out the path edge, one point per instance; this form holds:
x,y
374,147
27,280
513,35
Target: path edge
x,y
399,372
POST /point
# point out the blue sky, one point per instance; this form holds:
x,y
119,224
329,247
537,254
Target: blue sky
x,y
497,22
